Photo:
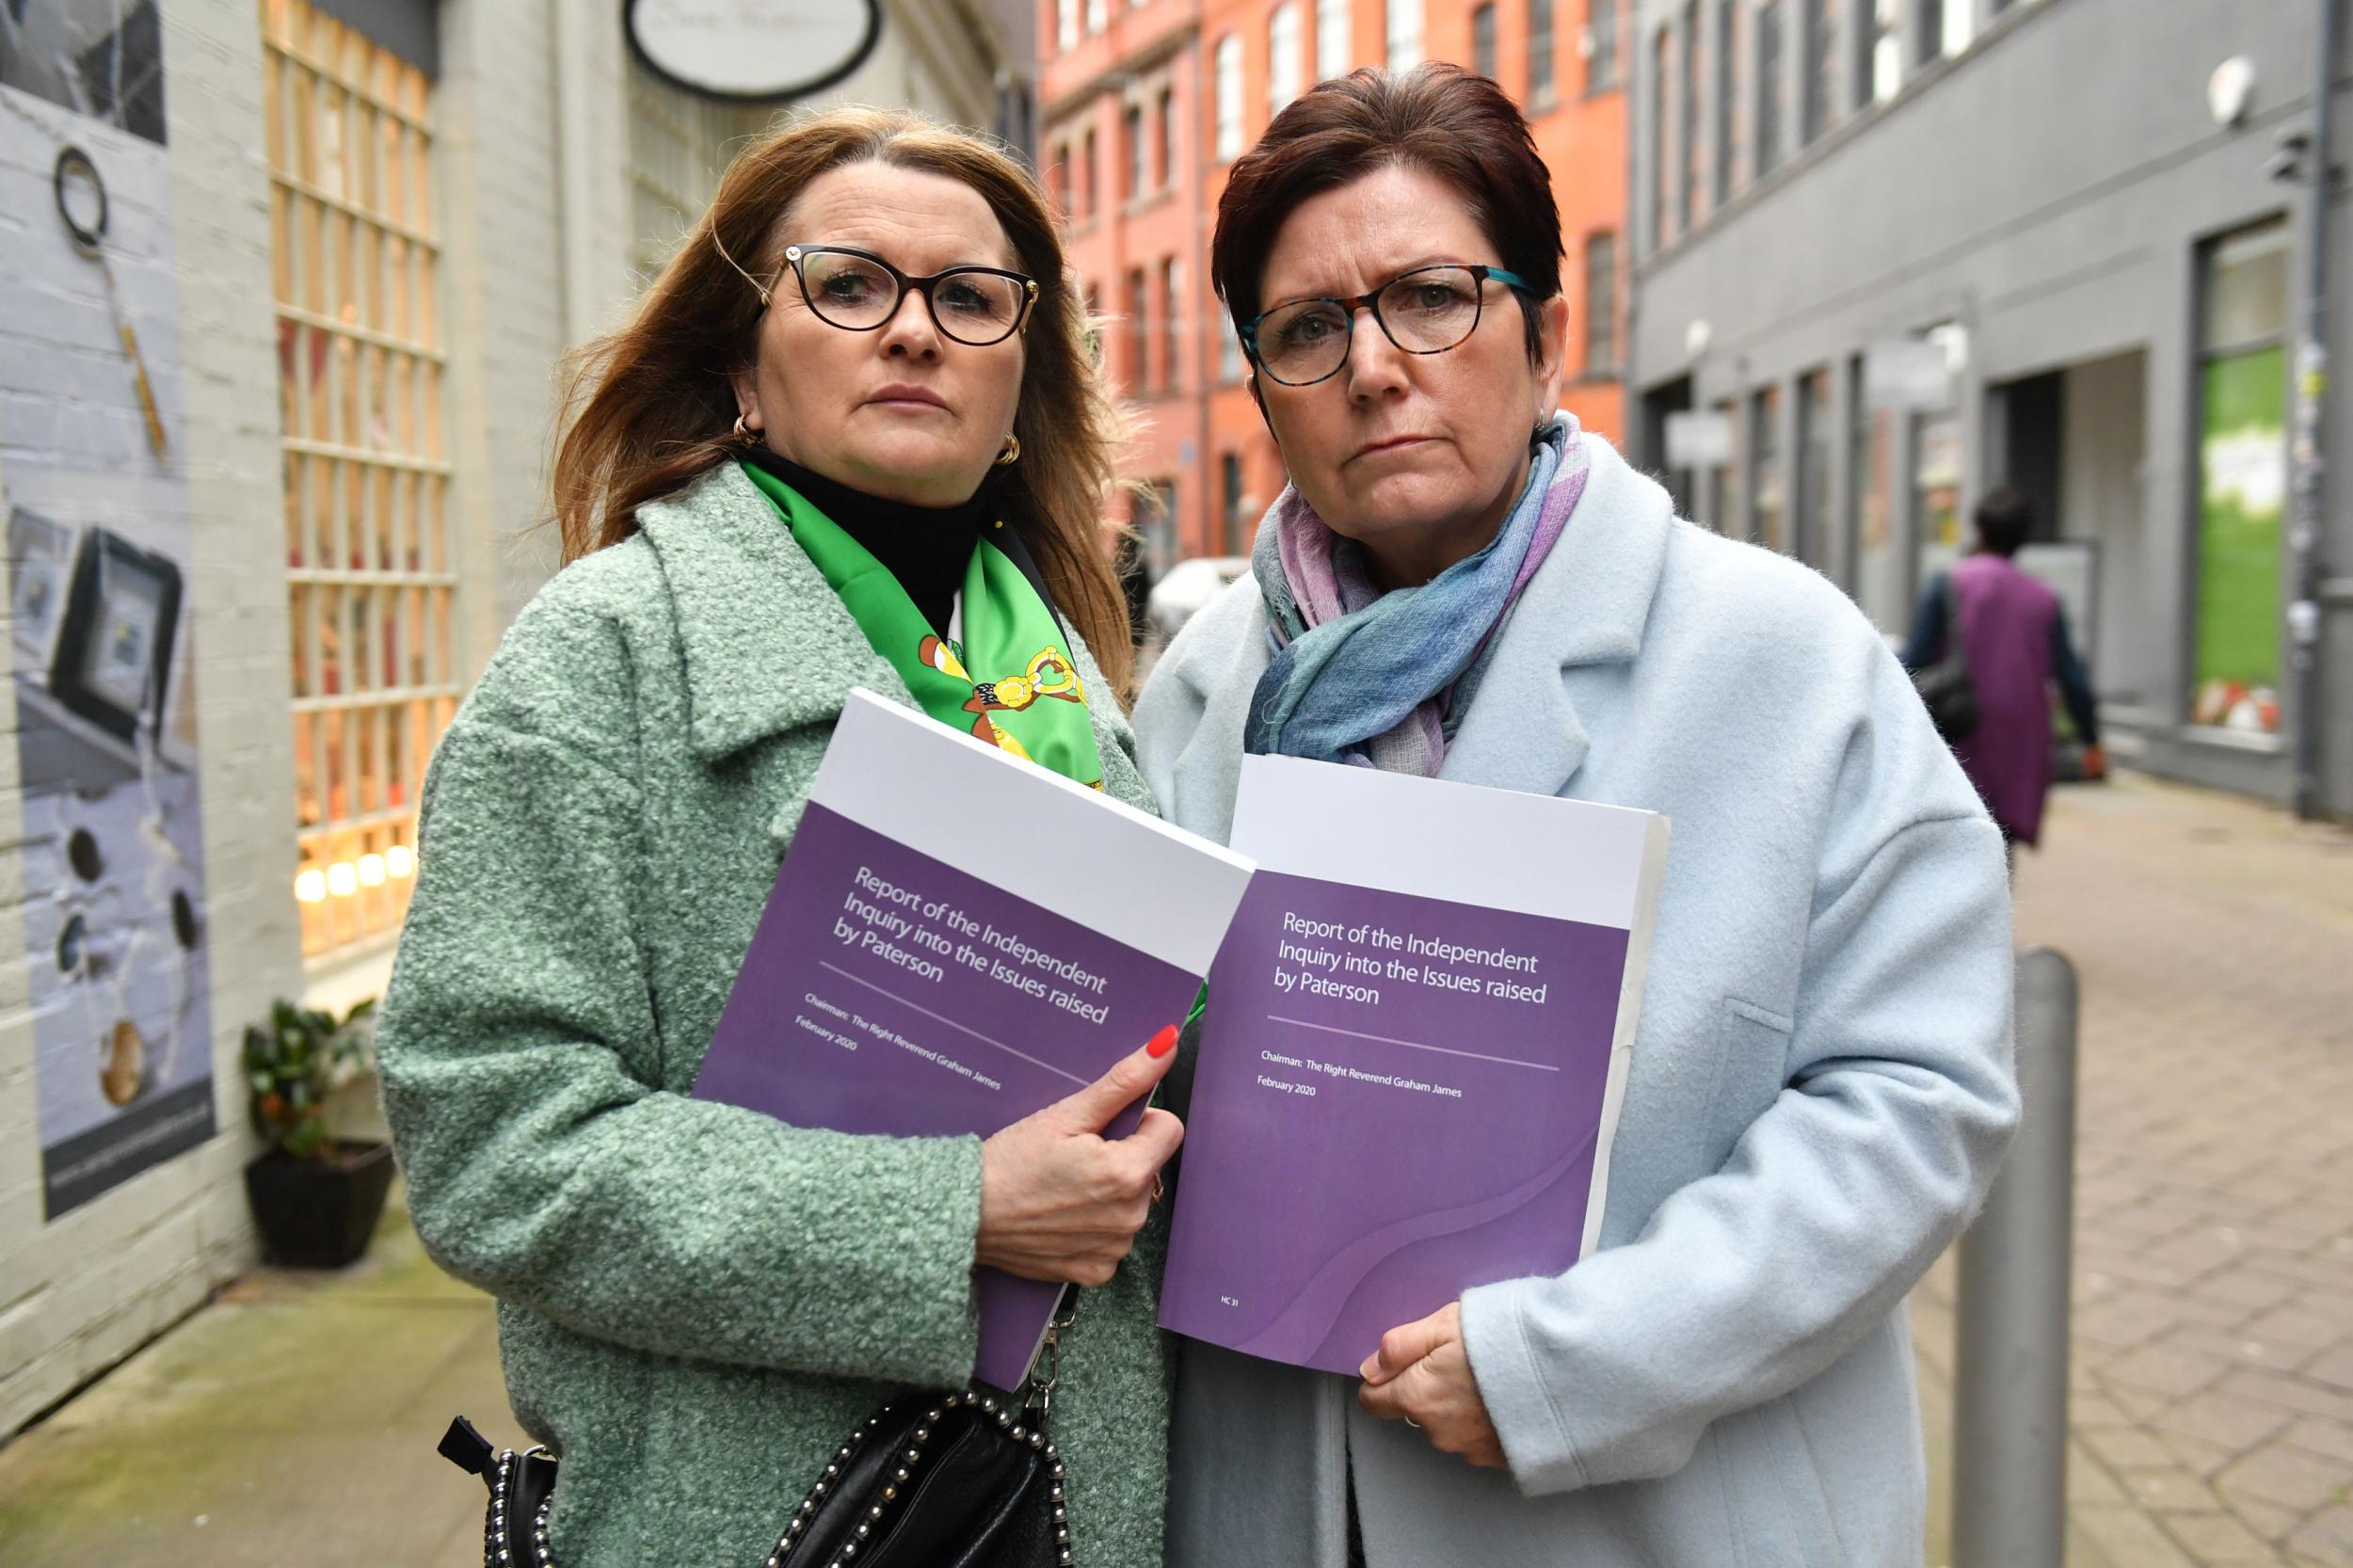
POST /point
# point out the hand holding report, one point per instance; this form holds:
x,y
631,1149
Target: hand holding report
x,y
1059,1201
959,939
1422,1374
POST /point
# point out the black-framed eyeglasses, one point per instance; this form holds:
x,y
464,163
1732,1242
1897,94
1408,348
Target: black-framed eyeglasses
x,y
1427,310
858,292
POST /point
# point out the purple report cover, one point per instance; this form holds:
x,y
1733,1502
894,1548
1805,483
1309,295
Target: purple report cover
x,y
1400,1095
901,982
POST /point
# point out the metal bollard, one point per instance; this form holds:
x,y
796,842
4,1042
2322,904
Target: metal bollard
x,y
2009,1377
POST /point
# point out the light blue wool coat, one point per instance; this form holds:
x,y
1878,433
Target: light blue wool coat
x,y
1820,1089
696,1302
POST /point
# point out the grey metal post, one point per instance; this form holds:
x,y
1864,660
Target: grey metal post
x,y
2009,1378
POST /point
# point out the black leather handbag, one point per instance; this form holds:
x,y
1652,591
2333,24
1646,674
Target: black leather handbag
x,y
1945,687
961,1478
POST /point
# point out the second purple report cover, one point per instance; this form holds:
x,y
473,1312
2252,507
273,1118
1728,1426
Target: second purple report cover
x,y
1411,1065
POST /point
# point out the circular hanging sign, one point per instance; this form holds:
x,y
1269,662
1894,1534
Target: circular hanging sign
x,y
752,51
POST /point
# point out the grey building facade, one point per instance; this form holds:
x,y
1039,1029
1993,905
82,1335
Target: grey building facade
x,y
1891,253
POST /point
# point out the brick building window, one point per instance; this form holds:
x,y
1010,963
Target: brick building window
x,y
1131,127
1237,521
370,577
1541,46
1284,61
1404,34
1139,332
1167,123
1331,41
1172,324
1601,304
1087,175
1227,86
1484,40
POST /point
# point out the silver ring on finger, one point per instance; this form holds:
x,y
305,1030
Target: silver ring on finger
x,y
1411,1422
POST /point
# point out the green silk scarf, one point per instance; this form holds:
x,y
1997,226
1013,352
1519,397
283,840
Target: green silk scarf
x,y
1026,698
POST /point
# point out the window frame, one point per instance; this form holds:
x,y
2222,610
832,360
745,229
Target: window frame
x,y
2207,348
1233,486
1285,57
1602,47
1663,171
376,658
1131,131
1601,320
1172,325
1165,153
1225,97
1404,40
1544,52
1334,46
1726,96
1769,49
1139,333
1817,112
1686,209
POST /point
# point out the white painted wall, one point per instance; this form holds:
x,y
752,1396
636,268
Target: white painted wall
x,y
77,1295
532,170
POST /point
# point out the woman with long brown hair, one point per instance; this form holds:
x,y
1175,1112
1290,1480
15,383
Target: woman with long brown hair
x,y
854,436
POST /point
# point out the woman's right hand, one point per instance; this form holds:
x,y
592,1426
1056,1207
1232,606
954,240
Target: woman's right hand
x,y
1061,1202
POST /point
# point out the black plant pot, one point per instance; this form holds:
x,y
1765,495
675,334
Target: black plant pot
x,y
319,1213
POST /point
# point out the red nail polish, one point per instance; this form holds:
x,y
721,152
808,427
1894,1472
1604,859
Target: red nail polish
x,y
1162,1043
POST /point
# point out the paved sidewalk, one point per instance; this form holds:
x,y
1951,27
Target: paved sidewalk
x,y
2213,1377
292,1422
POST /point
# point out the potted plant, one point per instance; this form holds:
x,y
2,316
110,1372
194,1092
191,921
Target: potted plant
x,y
317,1197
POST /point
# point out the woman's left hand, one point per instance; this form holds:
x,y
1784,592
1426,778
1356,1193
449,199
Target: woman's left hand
x,y
1422,1374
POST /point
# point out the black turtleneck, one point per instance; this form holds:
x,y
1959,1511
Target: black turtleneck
x,y
925,547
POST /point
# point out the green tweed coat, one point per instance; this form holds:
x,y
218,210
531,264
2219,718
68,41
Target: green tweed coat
x,y
696,1301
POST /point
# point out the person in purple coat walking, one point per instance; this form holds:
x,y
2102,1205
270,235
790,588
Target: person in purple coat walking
x,y
2014,631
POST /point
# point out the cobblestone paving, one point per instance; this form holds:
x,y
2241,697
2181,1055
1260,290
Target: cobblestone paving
x,y
2212,1407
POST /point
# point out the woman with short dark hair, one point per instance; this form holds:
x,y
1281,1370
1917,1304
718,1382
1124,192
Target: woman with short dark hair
x,y
1459,583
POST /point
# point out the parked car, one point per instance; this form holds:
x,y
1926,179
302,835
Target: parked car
x,y
1187,588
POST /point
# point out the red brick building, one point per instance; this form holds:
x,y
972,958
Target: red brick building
x,y
1119,104
1143,106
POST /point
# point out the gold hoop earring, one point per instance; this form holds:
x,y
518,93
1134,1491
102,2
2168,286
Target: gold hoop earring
x,y
1012,454
744,435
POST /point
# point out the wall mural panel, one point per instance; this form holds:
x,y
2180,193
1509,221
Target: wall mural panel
x,y
92,484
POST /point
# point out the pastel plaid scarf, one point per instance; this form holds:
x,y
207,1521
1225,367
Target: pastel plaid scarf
x,y
1381,679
